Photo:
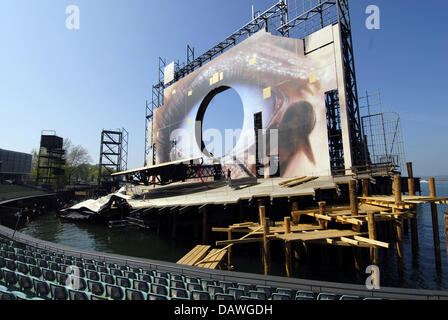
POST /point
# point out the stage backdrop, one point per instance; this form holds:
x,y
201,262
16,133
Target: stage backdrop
x,y
272,75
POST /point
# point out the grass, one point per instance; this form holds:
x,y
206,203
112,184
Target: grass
x,y
12,191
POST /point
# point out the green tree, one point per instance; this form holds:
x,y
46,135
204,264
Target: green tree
x,y
77,162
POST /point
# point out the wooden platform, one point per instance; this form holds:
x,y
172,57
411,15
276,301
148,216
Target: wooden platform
x,y
202,256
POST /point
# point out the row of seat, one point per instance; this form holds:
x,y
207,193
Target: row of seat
x,y
30,273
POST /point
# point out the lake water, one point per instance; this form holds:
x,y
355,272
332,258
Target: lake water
x,y
419,271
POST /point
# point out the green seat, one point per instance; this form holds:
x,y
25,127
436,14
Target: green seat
x,y
135,295
152,296
58,292
114,292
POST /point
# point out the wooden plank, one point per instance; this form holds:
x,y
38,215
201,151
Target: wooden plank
x,y
371,241
237,241
194,255
351,241
212,260
316,235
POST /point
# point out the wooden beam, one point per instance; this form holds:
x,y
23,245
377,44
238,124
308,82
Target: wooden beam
x,y
237,241
371,241
266,251
372,237
351,241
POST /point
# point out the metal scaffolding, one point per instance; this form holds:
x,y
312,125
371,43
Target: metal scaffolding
x,y
382,131
113,153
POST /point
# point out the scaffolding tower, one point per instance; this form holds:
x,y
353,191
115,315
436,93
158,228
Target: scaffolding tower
x,y
51,159
113,153
382,132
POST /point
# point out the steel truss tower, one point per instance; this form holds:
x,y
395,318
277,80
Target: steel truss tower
x,y
113,153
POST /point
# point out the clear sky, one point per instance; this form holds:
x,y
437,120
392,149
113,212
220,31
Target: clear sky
x,y
79,82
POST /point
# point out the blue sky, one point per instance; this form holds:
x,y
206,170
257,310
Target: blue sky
x,y
78,82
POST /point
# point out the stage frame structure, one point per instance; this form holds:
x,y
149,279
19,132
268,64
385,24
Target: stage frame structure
x,y
289,20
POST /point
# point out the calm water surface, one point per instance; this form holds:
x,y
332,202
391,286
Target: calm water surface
x,y
420,271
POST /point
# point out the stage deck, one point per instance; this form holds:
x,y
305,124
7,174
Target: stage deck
x,y
219,193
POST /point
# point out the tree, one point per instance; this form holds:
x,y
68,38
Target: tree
x,y
77,162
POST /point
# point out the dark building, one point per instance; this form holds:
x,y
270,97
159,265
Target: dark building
x,y
15,166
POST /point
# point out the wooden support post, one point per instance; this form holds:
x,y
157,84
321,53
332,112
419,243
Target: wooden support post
x,y
409,167
229,251
411,186
396,188
365,187
322,208
295,207
445,218
262,214
266,252
204,226
372,235
399,229
435,230
414,234
435,220
288,258
432,187
353,197
287,222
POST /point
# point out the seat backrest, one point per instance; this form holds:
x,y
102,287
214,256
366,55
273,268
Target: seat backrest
x,y
93,275
25,282
237,293
58,292
41,288
223,296
327,296
22,268
177,284
280,296
152,296
200,295
107,278
49,275
214,290
258,294
78,295
194,287
95,287
114,292
123,282
159,289
178,293
305,295
141,285
10,277
134,295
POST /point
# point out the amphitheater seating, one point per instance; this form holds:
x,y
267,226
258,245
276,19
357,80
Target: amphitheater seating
x,y
28,273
